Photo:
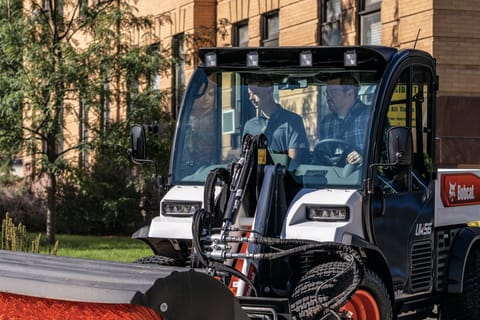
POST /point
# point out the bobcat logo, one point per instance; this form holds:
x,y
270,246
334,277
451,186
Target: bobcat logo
x,y
452,194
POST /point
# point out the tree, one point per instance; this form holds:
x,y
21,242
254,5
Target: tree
x,y
69,63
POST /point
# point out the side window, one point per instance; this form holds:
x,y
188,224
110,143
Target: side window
x,y
410,106
394,180
422,99
397,114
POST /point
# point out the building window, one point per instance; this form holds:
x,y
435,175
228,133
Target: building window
x,y
58,6
270,30
83,134
240,34
370,24
46,5
83,7
154,76
331,33
133,91
105,99
178,79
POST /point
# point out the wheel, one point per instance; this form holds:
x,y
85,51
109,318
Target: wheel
x,y
160,260
465,305
332,152
311,297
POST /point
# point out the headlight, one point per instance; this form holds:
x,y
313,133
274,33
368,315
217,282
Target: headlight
x,y
180,208
328,213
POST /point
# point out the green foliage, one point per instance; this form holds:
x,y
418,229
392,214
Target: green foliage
x,y
21,205
16,238
103,201
46,73
10,86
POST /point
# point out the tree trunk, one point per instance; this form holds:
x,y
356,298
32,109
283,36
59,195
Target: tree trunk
x,y
51,207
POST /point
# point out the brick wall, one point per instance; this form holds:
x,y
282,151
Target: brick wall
x,y
456,47
449,30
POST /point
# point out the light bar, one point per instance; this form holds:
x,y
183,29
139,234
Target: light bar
x,y
180,208
350,59
211,59
306,59
252,59
328,213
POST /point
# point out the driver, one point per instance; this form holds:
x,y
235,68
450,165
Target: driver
x,y
284,129
349,116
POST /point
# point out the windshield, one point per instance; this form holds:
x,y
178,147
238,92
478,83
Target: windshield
x,y
316,122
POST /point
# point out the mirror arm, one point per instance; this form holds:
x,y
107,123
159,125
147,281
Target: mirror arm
x,y
159,180
369,180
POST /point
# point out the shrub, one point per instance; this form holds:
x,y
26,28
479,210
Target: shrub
x,y
15,238
21,204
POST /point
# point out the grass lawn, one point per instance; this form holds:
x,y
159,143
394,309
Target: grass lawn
x,y
113,248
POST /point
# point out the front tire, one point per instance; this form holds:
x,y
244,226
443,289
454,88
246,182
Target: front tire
x,y
369,301
465,305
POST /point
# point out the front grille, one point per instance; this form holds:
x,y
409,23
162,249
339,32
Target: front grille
x,y
422,263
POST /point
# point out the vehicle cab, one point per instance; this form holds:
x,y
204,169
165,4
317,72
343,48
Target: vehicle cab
x,y
326,197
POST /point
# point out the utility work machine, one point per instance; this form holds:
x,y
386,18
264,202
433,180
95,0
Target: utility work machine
x,y
294,214
392,236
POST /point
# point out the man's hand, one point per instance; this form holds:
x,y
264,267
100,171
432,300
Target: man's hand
x,y
354,158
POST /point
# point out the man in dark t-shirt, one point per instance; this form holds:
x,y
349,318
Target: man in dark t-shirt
x,y
284,129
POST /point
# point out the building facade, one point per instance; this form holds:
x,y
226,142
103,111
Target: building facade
x,y
446,29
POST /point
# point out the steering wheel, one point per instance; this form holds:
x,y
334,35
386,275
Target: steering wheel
x,y
332,152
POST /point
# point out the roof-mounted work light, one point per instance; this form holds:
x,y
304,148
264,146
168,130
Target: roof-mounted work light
x,y
211,59
350,59
252,59
306,59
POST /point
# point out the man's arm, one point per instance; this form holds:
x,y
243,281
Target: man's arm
x,y
298,143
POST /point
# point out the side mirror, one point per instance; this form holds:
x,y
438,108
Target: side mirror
x,y
400,146
138,143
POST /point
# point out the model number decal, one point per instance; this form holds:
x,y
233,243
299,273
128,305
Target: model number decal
x,y
423,229
460,189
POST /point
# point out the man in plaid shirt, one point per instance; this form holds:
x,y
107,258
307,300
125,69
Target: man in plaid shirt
x,y
349,116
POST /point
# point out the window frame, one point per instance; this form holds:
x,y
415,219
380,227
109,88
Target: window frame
x,y
236,41
154,77
419,122
266,40
365,12
324,22
83,7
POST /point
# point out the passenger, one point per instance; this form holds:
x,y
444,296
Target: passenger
x,y
284,129
349,116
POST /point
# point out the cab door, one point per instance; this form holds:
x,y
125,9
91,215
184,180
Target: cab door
x,y
402,204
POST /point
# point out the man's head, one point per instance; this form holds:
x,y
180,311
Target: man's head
x,y
260,89
342,91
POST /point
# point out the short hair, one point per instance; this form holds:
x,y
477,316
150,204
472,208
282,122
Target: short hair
x,y
259,80
347,79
